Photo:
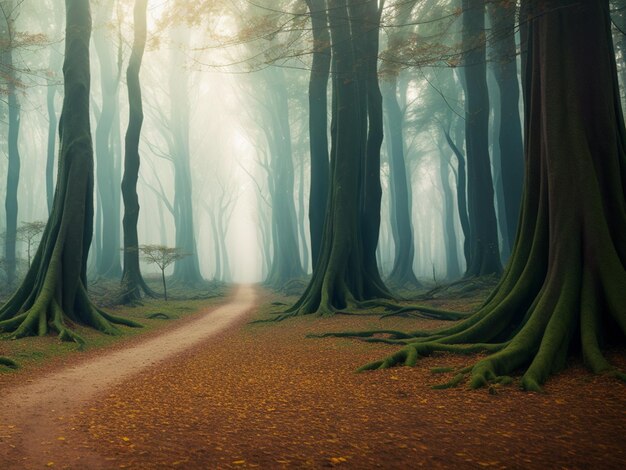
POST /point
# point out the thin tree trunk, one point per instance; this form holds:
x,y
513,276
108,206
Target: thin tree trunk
x,y
484,251
502,15
187,269
132,280
8,34
109,264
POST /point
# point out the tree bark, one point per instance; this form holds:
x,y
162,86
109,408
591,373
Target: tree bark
x,y
54,288
402,272
502,16
132,280
13,168
285,264
344,275
563,288
186,269
55,63
484,251
318,123
108,261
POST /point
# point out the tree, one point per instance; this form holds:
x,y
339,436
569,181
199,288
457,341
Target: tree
x,y
504,57
346,273
9,11
54,68
564,284
28,232
484,252
107,171
187,269
132,280
162,256
54,288
318,123
399,185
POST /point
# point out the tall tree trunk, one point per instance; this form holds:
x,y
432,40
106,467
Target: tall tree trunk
x,y
132,280
55,63
461,193
108,263
402,272
304,251
484,251
563,288
13,169
318,123
54,288
344,275
502,16
187,269
286,254
217,246
450,239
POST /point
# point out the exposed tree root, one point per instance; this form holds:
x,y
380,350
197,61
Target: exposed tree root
x,y
459,288
6,362
44,314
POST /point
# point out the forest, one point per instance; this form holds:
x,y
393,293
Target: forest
x,y
312,233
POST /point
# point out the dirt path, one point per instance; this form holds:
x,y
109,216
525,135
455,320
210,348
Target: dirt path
x,y
32,417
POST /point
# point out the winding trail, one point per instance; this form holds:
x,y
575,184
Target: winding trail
x,y
32,416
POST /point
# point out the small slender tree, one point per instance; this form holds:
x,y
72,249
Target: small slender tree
x,y
162,256
28,233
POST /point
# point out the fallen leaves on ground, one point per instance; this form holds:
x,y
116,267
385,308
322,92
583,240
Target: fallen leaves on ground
x,y
264,396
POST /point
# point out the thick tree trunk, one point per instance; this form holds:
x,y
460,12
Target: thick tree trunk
x,y
55,286
563,288
484,251
344,275
318,124
502,15
132,280
13,167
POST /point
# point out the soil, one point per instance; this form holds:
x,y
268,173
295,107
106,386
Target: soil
x,y
223,393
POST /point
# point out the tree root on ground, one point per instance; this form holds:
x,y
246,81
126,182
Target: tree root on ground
x,y
6,362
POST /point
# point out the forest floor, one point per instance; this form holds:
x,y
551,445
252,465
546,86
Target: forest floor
x,y
215,391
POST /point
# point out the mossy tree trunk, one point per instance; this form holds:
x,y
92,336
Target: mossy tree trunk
x,y
564,287
54,290
346,272
318,123
484,251
132,280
